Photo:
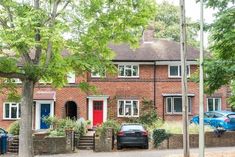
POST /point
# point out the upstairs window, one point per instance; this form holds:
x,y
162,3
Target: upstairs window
x,y
213,104
175,70
174,105
95,74
128,108
11,110
71,78
128,70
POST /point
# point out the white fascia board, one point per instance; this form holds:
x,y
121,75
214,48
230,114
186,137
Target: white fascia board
x,y
175,94
175,62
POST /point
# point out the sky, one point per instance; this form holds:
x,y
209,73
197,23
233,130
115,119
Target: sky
x,y
192,10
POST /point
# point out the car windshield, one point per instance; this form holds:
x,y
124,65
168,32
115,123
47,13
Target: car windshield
x,y
132,127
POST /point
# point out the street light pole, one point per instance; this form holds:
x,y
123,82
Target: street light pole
x,y
184,78
201,88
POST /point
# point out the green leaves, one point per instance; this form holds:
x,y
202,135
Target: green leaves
x,y
167,24
68,35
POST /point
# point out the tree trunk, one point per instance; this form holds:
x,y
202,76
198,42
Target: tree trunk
x,y
25,139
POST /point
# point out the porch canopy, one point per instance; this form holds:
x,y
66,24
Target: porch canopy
x,y
44,95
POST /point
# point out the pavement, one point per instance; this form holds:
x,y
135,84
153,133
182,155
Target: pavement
x,y
134,152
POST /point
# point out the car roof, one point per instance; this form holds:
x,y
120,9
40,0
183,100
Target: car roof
x,y
223,112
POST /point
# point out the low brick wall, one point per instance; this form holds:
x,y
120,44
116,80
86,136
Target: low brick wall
x,y
175,141
50,145
104,143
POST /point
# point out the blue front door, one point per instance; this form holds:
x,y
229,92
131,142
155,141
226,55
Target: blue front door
x,y
45,111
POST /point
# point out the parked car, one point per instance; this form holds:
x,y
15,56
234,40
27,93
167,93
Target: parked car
x,y
132,135
218,119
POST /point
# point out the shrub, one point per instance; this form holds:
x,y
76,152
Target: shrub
x,y
159,135
14,128
58,126
100,130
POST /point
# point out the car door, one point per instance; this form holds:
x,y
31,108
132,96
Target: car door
x,y
207,117
216,119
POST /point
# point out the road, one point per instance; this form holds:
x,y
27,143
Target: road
x,y
133,152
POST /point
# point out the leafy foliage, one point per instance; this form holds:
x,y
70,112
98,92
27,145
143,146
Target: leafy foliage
x,y
100,130
14,128
148,115
59,126
167,24
159,135
220,69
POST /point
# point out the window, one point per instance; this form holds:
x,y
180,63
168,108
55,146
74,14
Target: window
x,y
71,78
174,105
128,108
11,110
213,104
13,80
175,70
128,71
97,74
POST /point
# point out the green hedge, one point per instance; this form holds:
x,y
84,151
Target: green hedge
x,y
159,135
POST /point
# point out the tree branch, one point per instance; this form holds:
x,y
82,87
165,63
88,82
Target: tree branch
x,y
3,23
37,38
49,46
12,75
10,16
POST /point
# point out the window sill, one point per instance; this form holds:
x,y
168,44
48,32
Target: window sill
x,y
127,116
10,119
123,77
176,114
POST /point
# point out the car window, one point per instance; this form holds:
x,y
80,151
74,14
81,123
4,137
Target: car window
x,y
206,115
217,115
132,127
231,116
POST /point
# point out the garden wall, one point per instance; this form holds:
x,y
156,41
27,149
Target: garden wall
x,y
175,141
50,145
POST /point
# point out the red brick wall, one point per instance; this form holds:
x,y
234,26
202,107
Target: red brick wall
x,y
121,88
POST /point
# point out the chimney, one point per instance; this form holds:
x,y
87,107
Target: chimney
x,y
148,34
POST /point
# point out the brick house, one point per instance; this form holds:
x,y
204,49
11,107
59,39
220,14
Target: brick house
x,y
152,72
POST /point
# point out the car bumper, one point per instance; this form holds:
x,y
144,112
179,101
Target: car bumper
x,y
132,141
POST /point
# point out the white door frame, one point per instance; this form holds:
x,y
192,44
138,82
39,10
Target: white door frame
x,y
38,111
103,98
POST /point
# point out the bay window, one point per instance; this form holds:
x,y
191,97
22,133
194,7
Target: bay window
x,y
174,105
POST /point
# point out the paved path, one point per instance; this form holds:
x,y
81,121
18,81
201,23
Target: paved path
x,y
210,152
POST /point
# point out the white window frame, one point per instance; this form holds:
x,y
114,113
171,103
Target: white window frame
x,y
172,105
132,109
10,106
71,77
179,75
137,76
220,104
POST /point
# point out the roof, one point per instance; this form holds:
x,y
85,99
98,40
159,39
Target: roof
x,y
158,50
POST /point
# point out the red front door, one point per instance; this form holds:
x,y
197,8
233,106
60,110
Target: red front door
x,y
97,112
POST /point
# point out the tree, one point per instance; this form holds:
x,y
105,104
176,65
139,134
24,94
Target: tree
x,y
220,68
47,39
167,24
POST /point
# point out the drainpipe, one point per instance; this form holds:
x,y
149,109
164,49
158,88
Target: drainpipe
x,y
154,85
